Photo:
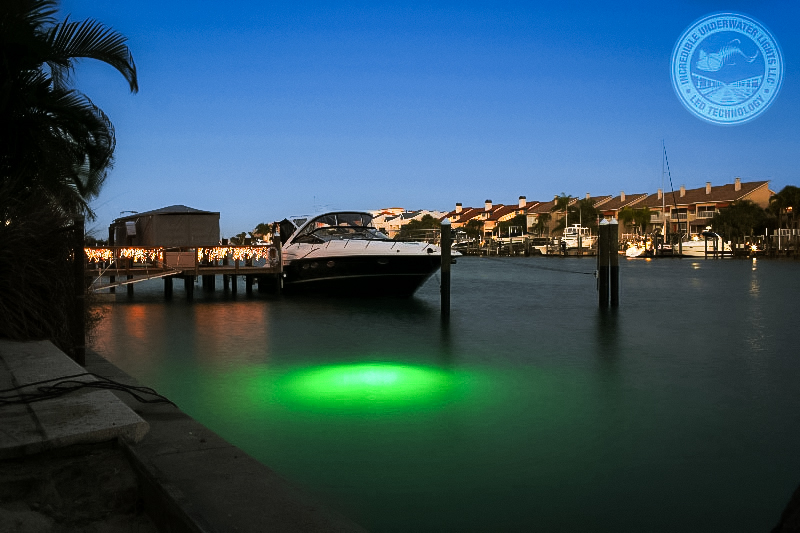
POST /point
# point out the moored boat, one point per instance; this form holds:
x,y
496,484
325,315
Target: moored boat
x,y
342,253
577,236
704,244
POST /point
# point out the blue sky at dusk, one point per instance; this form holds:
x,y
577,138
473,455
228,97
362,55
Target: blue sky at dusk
x,y
261,110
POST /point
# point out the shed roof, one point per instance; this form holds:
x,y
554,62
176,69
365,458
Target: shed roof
x,y
169,210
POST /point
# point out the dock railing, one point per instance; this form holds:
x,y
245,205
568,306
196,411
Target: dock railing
x,y
140,263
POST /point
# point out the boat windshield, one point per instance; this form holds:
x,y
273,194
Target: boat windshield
x,y
337,226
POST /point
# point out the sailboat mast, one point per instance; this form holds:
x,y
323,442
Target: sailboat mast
x,y
663,197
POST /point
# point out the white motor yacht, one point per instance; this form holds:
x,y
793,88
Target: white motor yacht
x,y
343,253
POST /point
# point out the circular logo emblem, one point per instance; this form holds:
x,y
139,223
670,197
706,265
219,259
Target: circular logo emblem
x,y
727,68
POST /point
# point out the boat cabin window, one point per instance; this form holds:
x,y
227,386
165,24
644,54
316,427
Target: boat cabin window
x,y
334,226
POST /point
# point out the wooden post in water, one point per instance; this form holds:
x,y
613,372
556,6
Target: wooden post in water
x,y
613,255
225,277
78,270
278,266
188,285
446,243
602,262
168,287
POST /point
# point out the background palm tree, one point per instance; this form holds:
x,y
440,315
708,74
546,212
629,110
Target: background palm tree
x,y
561,203
542,224
56,146
786,204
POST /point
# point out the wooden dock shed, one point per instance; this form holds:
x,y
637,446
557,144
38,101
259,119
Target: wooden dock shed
x,y
176,225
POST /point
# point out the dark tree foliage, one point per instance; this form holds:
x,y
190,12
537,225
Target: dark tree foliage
x,y
542,224
56,147
740,219
785,206
519,221
473,228
419,229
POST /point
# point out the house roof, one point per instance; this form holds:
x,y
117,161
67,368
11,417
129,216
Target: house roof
x,y
467,213
501,211
169,210
718,194
617,202
542,207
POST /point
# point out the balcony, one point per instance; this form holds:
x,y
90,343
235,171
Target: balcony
x,y
677,216
706,213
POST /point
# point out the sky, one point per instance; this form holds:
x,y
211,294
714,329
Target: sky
x,y
262,110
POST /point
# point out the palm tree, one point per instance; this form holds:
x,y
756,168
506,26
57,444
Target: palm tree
x,y
561,203
542,224
56,146
786,202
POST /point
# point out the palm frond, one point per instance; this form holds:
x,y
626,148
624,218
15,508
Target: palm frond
x,y
93,40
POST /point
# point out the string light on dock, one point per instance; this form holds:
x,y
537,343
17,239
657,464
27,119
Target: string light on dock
x,y
138,255
237,253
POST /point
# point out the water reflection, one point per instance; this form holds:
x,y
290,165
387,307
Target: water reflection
x,y
532,395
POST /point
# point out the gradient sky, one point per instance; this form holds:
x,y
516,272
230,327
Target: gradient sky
x,y
262,110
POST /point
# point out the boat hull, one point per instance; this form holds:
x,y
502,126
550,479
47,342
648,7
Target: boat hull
x,y
360,275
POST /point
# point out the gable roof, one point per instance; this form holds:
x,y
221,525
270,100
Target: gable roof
x,y
617,202
169,210
718,194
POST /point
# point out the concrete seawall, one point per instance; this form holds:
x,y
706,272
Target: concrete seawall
x,y
189,478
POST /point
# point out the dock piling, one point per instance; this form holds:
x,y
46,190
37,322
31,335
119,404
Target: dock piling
x,y
613,254
603,263
446,243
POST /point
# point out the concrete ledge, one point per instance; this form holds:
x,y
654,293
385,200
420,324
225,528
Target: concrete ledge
x,y
195,481
81,417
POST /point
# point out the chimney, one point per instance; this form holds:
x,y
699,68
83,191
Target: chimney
x,y
588,195
708,187
458,207
737,184
522,202
488,205
683,191
660,194
621,196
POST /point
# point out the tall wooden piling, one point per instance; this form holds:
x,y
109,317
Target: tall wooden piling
x,y
446,243
168,287
79,279
188,285
613,255
603,244
278,261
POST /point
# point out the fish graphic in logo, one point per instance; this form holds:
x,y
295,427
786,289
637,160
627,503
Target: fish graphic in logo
x,y
715,61
727,68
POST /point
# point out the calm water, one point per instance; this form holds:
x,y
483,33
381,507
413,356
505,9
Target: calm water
x,y
533,410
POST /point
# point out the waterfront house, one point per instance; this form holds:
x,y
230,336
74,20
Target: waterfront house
x,y
502,213
612,207
691,210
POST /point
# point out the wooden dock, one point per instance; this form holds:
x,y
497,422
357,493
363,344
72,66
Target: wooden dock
x,y
115,266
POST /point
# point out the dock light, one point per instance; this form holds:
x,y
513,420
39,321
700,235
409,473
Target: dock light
x,y
360,386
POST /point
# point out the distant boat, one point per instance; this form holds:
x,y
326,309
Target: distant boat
x,y
639,249
576,235
342,253
706,243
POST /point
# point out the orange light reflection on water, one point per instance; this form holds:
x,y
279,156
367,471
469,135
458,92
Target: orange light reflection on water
x,y
231,331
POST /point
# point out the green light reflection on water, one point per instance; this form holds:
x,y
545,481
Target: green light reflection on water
x,y
364,387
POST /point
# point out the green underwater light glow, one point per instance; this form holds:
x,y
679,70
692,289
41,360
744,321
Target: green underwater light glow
x,y
365,385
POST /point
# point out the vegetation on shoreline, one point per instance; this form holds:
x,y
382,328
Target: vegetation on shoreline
x,y
56,148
